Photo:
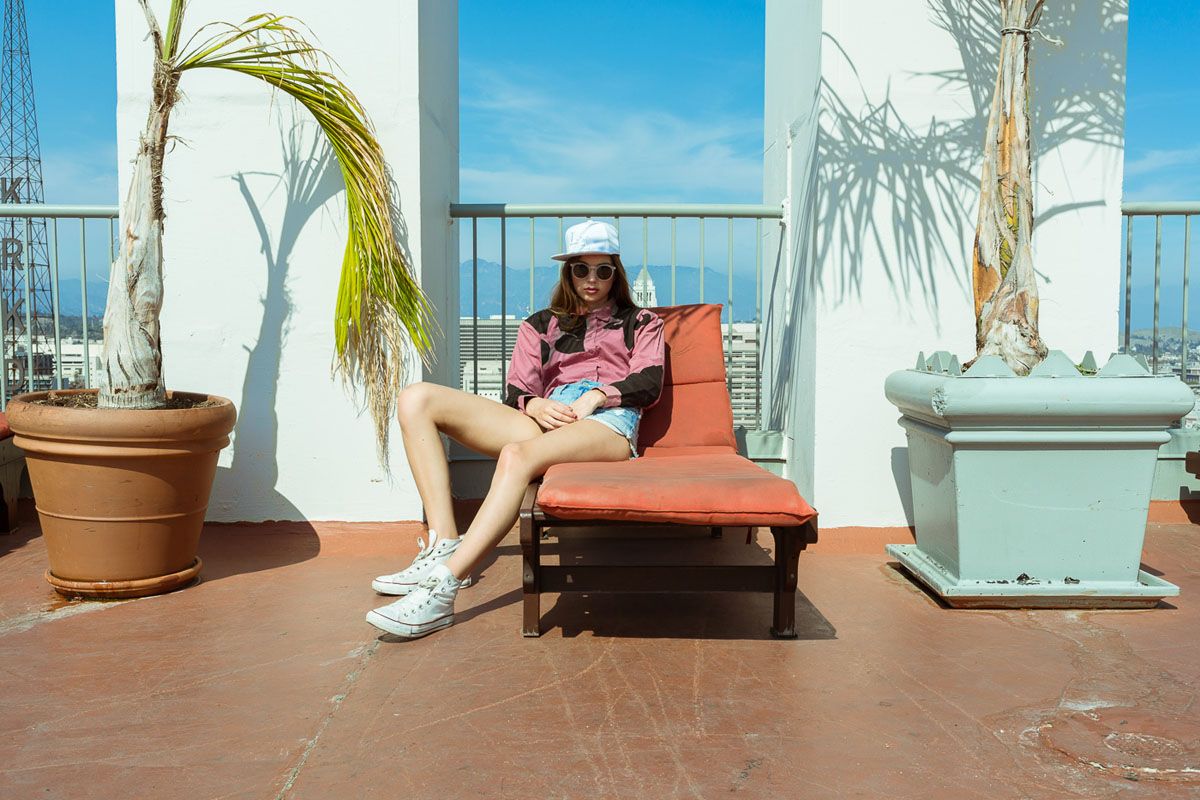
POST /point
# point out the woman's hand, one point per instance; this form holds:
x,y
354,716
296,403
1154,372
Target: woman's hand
x,y
587,403
549,414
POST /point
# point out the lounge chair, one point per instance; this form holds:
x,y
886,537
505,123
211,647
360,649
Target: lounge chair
x,y
690,474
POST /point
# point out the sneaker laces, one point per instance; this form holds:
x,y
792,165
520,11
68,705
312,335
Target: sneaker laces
x,y
443,588
425,551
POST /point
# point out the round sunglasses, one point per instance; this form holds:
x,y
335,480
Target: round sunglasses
x,y
603,271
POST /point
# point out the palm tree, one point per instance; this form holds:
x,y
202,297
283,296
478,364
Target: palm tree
x,y
380,310
1006,299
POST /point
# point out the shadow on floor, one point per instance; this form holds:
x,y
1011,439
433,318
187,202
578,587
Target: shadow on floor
x,y
243,548
226,548
667,615
679,615
25,531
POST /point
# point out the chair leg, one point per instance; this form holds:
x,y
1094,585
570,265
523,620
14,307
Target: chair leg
x,y
788,544
531,546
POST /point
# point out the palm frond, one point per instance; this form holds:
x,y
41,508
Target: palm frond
x,y
380,307
174,23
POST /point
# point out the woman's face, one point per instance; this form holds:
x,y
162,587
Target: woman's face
x,y
591,287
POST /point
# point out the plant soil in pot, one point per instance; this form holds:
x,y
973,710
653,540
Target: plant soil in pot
x,y
121,493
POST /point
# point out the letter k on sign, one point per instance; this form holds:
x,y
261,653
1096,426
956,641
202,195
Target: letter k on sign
x,y
8,190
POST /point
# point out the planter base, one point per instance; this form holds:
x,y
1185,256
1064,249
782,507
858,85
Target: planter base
x,y
111,590
1146,592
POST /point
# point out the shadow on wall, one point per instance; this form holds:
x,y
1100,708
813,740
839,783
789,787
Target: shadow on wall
x,y
881,189
309,181
903,478
927,178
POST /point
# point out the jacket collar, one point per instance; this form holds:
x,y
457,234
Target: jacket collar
x,y
605,311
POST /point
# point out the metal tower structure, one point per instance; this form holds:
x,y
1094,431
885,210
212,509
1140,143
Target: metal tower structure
x,y
26,300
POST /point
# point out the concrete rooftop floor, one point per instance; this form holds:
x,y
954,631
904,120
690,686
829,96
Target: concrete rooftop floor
x,y
263,681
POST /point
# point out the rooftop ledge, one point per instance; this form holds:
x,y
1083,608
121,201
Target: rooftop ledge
x,y
264,681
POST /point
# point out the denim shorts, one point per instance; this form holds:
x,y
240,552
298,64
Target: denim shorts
x,y
623,420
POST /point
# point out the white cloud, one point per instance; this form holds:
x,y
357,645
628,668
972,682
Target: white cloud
x,y
1162,188
538,148
1161,160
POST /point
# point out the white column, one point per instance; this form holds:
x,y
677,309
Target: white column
x,y
898,127
254,239
791,85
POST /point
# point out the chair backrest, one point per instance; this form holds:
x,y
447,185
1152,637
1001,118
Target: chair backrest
x,y
694,408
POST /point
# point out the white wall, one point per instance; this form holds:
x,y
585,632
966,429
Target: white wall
x,y
248,310
791,85
895,181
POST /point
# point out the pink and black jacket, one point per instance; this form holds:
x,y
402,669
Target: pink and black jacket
x,y
623,350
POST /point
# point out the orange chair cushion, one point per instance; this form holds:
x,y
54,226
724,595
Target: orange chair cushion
x,y
694,408
5,431
707,486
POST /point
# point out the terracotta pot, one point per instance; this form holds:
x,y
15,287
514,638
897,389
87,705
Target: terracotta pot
x,y
121,493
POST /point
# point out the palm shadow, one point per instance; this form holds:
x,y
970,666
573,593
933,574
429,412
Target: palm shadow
x,y
308,181
927,177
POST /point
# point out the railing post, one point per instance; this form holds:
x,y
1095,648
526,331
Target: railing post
x,y
758,420
1128,278
475,303
27,257
672,260
87,352
503,305
1187,247
729,313
1157,283
532,260
54,303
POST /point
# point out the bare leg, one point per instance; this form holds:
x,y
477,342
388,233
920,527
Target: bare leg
x,y
519,463
477,422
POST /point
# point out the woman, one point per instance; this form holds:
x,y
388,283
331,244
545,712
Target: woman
x,y
582,371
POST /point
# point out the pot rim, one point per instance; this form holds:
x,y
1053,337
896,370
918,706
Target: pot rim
x,y
32,420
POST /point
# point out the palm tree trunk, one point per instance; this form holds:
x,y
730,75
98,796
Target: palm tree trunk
x,y
1006,300
131,374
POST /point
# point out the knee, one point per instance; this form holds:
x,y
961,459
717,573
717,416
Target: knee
x,y
414,402
514,459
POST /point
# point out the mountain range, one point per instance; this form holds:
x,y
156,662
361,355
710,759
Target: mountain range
x,y
687,289
70,298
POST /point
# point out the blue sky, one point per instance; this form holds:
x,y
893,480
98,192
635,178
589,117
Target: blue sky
x,y
543,115
627,115
1162,111
1162,148
75,85
618,117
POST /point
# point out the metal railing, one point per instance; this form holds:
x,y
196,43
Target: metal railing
x,y
1158,211
703,216
19,260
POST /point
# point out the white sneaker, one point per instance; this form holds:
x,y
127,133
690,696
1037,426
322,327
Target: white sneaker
x,y
438,551
428,608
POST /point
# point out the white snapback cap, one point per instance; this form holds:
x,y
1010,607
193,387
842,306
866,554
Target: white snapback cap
x,y
590,238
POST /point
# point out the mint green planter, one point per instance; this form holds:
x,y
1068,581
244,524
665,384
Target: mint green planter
x,y
1033,492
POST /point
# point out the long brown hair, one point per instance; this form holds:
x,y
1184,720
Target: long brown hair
x,y
569,307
